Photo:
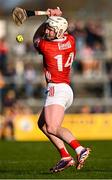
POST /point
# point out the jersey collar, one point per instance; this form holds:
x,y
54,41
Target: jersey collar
x,y
59,40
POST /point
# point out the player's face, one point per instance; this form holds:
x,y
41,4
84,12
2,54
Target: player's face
x,y
50,33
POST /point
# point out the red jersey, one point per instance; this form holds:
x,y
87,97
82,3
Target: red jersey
x,y
58,56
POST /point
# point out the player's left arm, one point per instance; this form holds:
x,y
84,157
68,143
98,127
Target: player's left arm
x,y
38,35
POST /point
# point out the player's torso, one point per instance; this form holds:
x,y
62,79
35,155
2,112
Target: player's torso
x,y
57,59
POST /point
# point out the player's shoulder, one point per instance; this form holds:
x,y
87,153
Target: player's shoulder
x,y
69,36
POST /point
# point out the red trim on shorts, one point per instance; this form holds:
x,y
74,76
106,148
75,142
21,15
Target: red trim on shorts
x,y
51,91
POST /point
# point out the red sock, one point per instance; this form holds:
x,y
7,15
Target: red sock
x,y
74,144
63,153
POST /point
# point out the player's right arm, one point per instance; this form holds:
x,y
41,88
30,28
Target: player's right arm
x,y
40,31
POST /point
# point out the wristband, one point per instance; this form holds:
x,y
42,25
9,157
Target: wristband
x,y
30,13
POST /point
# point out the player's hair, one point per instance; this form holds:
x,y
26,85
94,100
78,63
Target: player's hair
x,y
60,24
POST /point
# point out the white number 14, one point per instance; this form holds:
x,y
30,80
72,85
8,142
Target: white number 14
x,y
68,63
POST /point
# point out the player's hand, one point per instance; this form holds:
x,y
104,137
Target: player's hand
x,y
54,12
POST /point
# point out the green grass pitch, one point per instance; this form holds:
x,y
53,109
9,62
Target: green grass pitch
x,y
32,160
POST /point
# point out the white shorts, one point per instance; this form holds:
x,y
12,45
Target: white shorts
x,y
61,94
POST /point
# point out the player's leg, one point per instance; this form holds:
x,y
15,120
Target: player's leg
x,y
54,115
66,159
56,141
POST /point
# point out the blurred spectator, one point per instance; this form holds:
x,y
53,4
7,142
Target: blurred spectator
x,y
8,118
2,90
39,90
10,98
109,74
71,26
85,109
30,78
19,79
3,54
1,126
80,34
94,31
10,74
87,60
20,108
98,109
77,29
90,46
8,124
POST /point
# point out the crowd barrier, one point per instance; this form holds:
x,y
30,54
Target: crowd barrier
x,y
83,126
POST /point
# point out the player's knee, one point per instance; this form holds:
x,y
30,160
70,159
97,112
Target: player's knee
x,y
51,130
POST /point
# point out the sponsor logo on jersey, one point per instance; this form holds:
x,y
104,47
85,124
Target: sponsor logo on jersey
x,y
64,46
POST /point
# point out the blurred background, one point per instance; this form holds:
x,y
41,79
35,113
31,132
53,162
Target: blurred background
x,y
22,83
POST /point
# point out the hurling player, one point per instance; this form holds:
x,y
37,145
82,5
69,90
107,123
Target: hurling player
x,y
58,49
